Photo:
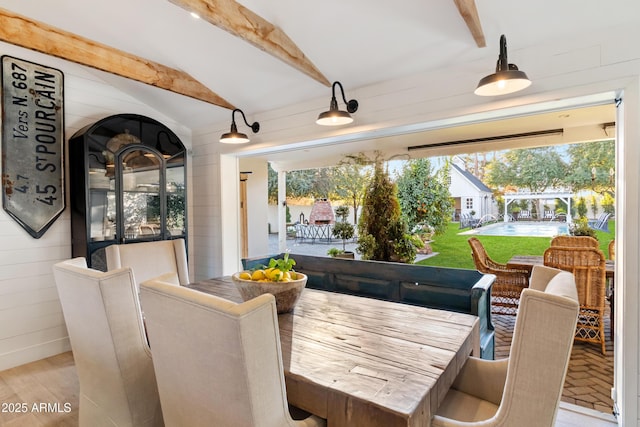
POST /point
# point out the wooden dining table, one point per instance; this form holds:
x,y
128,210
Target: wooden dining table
x,y
362,362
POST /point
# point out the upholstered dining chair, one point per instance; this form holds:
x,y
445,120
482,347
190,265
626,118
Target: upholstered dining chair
x,y
509,283
218,363
151,259
523,390
575,241
588,265
102,312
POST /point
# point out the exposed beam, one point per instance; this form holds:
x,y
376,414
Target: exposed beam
x,y
34,35
236,19
469,13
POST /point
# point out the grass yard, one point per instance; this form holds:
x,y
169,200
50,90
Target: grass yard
x,y
454,251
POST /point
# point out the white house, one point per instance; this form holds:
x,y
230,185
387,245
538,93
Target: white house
x,y
470,195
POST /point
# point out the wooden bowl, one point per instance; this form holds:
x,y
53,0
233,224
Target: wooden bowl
x,y
286,293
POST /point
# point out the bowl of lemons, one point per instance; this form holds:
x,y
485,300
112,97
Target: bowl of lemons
x,y
278,279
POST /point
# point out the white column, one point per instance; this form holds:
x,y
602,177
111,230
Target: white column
x,y
282,211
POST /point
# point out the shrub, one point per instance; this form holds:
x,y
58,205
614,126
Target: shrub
x,y
581,228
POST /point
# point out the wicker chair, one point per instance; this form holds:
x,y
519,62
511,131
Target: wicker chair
x,y
610,295
612,249
588,266
575,241
509,283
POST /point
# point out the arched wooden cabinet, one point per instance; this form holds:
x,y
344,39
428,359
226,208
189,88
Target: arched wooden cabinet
x,y
127,184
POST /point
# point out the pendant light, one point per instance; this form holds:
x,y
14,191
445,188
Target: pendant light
x,y
336,117
506,79
235,137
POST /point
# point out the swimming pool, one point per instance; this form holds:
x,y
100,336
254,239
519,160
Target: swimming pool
x,y
523,228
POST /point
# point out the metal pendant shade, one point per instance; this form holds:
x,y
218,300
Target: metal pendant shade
x,y
335,116
235,137
506,79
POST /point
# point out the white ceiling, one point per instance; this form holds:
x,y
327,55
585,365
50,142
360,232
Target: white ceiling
x,y
358,42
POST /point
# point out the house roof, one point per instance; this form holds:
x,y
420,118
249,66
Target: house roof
x,y
471,178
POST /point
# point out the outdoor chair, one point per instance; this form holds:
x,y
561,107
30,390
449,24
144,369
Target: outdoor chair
x,y
602,223
151,259
611,293
524,214
575,241
523,390
549,215
110,349
509,283
218,363
612,250
588,266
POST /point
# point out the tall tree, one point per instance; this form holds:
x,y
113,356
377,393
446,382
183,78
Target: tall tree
x,y
382,231
592,166
350,180
302,183
536,169
424,195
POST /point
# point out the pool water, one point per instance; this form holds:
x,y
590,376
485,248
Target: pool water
x,y
521,229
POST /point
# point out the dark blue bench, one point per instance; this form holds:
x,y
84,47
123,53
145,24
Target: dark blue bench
x,y
460,290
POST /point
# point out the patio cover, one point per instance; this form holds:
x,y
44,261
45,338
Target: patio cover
x,y
562,195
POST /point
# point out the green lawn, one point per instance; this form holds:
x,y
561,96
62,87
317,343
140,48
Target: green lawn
x,y
454,251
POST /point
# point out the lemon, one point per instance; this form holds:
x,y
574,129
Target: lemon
x,y
258,275
275,275
245,275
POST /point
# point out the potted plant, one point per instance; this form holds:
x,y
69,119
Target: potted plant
x,y
342,229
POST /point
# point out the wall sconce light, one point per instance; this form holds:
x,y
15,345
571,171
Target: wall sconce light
x,y
235,137
506,79
335,117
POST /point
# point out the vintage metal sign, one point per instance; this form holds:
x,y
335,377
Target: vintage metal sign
x,y
32,144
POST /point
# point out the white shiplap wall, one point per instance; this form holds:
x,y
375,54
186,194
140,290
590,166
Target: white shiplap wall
x,y
31,321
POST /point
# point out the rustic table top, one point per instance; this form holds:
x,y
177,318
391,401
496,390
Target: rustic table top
x,y
364,362
528,261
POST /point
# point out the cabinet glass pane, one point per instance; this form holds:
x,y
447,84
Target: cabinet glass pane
x,y
141,195
175,200
101,199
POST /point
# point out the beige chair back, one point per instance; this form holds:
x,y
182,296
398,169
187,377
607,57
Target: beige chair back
x,y
588,266
525,389
218,363
112,357
539,355
151,259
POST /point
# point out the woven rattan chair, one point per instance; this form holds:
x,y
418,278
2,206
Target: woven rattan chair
x,y
588,266
509,283
575,241
612,249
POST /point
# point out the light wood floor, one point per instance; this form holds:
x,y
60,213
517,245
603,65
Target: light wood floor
x,y
49,388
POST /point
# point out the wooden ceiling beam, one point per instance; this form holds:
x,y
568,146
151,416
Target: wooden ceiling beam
x,y
34,35
469,13
236,19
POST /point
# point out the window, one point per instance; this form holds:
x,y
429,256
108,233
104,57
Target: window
x,y
469,203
